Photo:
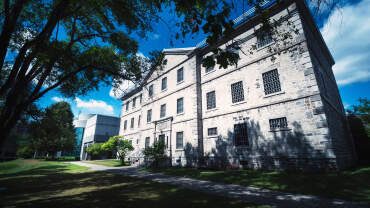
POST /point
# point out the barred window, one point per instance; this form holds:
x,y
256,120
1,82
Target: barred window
x,y
147,142
134,102
164,83
278,123
180,105
179,140
241,134
125,125
163,111
263,39
212,131
150,90
209,69
237,92
149,116
211,100
132,123
127,105
271,82
180,75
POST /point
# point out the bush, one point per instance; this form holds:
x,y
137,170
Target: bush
x,y
63,158
156,154
96,150
25,152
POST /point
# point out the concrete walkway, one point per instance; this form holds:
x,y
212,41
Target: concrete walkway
x,y
248,194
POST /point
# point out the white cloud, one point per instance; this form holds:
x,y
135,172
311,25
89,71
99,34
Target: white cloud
x,y
94,106
59,99
154,36
347,34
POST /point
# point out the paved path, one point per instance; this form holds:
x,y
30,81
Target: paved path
x,y
249,194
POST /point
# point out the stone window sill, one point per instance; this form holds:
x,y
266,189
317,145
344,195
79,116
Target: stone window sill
x,y
180,114
239,103
210,110
280,129
179,150
212,136
265,46
164,90
274,94
180,82
210,72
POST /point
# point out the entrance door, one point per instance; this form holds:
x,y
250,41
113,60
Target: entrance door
x,y
162,138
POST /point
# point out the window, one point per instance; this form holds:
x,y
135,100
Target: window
x,y
138,121
241,134
164,83
130,141
212,131
163,111
149,116
132,123
127,104
180,75
180,105
211,100
278,123
263,39
209,69
134,102
150,90
271,82
237,92
147,142
179,140
125,125
141,98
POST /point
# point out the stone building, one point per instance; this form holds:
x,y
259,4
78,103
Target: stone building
x,y
274,110
95,128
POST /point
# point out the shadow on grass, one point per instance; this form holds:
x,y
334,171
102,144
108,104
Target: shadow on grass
x,y
348,185
50,186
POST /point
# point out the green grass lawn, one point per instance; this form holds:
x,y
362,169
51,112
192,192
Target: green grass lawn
x,y
348,185
108,162
34,183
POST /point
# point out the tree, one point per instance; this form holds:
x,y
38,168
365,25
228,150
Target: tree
x,y
55,131
73,46
119,145
95,150
362,111
156,152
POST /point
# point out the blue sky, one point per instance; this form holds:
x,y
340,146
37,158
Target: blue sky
x,y
346,32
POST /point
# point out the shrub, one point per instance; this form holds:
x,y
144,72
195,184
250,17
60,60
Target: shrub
x,y
96,150
25,152
156,153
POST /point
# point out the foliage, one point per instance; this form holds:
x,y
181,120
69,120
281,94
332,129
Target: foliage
x,y
63,158
156,152
25,152
95,150
119,145
55,131
362,110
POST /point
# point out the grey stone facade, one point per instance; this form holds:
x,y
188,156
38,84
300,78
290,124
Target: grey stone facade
x,y
315,136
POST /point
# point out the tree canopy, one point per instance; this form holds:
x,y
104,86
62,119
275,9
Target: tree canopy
x,y
55,131
118,145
